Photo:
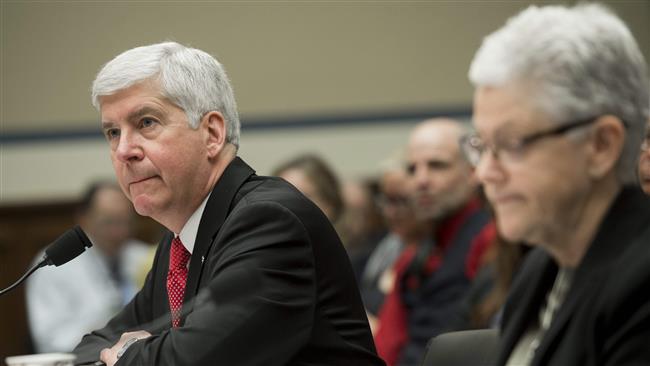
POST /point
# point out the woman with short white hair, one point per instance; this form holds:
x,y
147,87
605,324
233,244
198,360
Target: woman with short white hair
x,y
560,106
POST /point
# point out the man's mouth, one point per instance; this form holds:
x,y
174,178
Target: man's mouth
x,y
140,180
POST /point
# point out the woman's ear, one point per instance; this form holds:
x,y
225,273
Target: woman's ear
x,y
214,126
606,145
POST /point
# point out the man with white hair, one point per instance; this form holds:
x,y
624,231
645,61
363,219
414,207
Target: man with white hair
x,y
281,290
560,105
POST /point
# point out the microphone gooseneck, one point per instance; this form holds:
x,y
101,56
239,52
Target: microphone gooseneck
x,y
21,279
65,248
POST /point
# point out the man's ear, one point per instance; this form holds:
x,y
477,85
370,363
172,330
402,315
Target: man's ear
x,y
214,126
606,145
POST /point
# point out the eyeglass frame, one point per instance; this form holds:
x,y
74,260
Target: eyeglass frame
x,y
645,144
470,150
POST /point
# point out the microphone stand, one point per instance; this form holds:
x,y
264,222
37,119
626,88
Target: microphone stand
x,y
40,264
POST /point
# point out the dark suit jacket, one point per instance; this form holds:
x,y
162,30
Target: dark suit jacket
x,y
282,291
605,318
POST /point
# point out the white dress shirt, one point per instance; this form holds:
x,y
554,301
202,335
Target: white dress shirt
x,y
191,228
66,302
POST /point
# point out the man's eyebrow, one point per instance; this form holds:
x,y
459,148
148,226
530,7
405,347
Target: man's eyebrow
x,y
135,115
141,112
107,124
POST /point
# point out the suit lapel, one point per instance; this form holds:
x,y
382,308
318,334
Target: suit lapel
x,y
535,281
161,303
589,275
215,213
621,225
580,291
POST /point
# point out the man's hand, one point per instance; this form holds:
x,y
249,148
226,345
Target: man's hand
x,y
109,355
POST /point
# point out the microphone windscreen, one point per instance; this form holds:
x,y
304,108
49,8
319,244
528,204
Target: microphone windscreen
x,y
68,246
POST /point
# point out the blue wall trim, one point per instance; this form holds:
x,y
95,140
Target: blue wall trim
x,y
260,124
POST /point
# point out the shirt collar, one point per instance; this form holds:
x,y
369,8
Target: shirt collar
x,y
191,227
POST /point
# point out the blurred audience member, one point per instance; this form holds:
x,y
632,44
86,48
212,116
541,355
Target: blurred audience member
x,y
351,209
362,225
66,302
483,304
431,279
316,180
560,106
404,230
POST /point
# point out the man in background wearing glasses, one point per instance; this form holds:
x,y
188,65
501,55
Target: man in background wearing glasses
x,y
560,105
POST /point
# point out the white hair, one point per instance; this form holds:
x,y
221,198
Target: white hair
x,y
190,78
574,63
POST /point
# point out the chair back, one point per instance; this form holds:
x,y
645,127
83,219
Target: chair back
x,y
463,348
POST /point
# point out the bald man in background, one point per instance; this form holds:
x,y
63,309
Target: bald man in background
x,y
432,278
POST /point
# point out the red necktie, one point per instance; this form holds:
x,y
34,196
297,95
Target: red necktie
x,y
176,278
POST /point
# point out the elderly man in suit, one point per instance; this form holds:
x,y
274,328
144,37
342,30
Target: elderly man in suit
x,y
282,289
560,105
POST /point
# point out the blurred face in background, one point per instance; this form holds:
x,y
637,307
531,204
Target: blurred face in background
x,y
644,162
108,221
441,179
301,181
397,207
362,222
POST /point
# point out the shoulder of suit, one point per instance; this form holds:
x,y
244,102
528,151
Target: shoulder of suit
x,y
263,188
631,271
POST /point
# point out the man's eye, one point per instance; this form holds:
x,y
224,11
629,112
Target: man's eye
x,y
437,164
148,122
410,169
112,133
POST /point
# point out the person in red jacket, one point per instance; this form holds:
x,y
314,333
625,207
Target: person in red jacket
x,y
432,278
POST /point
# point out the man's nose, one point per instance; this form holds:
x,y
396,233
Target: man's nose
x,y
421,177
128,148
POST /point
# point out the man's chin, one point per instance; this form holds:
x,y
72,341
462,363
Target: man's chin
x,y
143,205
428,213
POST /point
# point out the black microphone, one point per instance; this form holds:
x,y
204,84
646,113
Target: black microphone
x,y
64,249
67,247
